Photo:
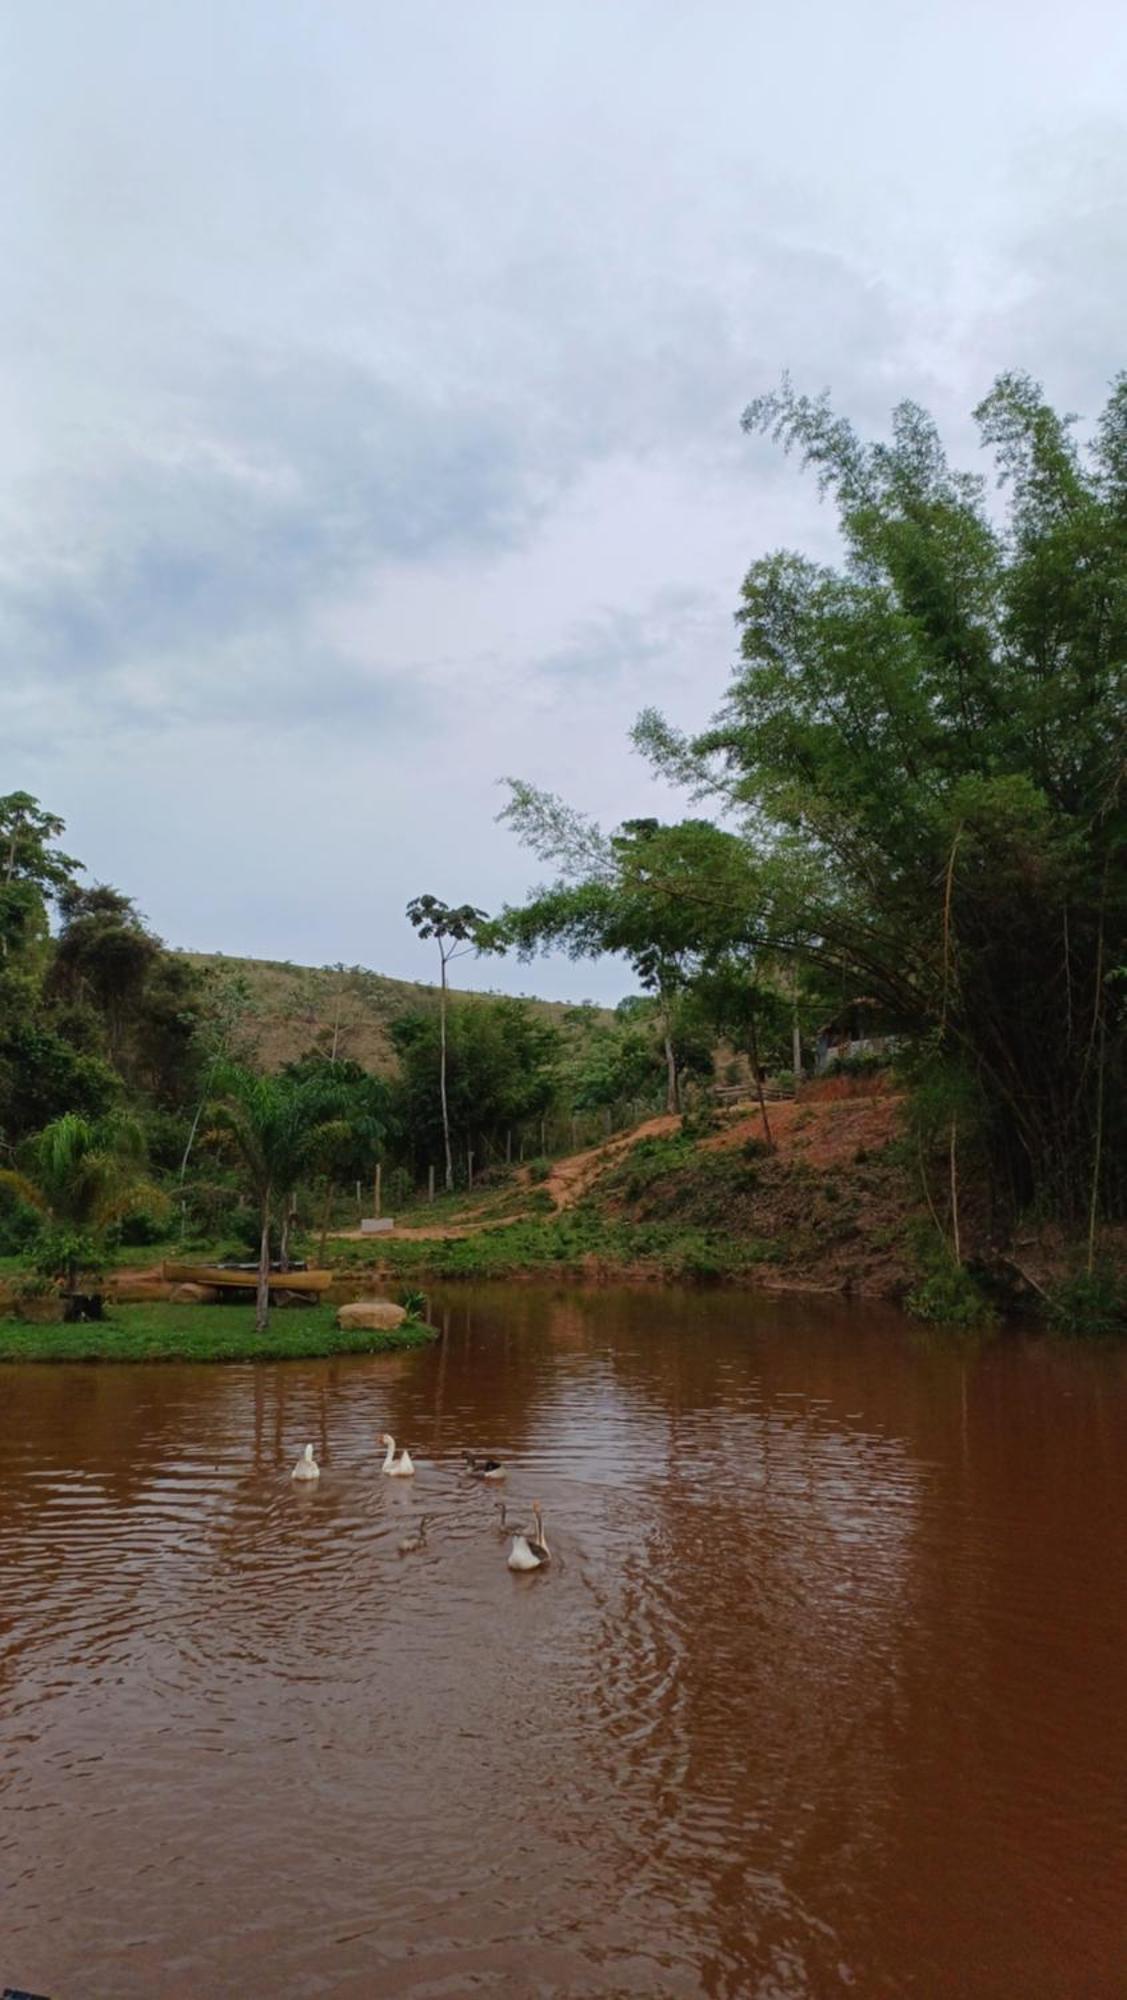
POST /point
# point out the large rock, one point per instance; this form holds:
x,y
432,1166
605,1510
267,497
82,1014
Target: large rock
x,y
187,1294
371,1315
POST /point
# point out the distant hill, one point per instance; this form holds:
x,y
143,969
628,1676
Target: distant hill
x,y
298,1007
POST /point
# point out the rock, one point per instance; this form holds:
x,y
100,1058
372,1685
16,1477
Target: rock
x,y
194,1295
371,1315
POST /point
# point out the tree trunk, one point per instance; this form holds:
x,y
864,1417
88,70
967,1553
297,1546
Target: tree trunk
x,y
754,1038
442,1082
262,1294
955,1191
288,1211
325,1212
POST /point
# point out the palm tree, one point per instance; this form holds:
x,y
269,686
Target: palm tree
x,y
82,1175
277,1127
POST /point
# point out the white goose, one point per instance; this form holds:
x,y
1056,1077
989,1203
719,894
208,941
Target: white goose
x,y
530,1551
396,1468
307,1466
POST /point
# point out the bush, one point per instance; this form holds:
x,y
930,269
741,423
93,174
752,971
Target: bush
x,y
62,1252
138,1229
699,1123
701,1265
538,1170
1089,1304
19,1227
948,1293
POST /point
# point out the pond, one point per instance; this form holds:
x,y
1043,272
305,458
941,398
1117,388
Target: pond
x,y
823,1690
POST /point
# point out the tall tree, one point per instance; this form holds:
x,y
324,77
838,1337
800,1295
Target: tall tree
x,y
455,932
502,1060
938,725
663,897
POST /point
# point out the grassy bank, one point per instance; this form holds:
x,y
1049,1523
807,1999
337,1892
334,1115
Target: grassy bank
x,y
203,1333
578,1244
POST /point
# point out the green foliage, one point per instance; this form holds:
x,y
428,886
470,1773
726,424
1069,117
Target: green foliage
x,y
928,739
20,1224
949,1294
81,1177
577,1242
77,1256
1089,1304
501,1072
205,1333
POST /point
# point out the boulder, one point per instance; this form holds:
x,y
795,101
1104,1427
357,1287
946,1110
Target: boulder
x,y
194,1295
371,1315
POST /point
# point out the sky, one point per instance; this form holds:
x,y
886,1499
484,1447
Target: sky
x,y
370,386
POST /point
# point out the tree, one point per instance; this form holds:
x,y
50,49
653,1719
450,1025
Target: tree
x,y
501,1072
275,1125
665,897
455,932
937,727
81,1176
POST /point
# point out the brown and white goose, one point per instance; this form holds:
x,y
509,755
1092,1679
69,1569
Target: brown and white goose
x,y
530,1551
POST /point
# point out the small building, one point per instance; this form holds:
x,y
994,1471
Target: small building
x,y
862,1028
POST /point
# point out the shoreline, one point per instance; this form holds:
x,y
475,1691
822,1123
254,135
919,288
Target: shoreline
x,y
209,1335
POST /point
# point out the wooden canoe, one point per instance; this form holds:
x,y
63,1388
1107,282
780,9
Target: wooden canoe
x,y
247,1281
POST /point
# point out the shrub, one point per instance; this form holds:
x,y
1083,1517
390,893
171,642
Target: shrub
x,y
141,1227
701,1265
949,1294
538,1170
1090,1304
60,1251
19,1226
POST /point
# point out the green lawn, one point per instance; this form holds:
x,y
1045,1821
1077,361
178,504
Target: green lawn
x,y
203,1333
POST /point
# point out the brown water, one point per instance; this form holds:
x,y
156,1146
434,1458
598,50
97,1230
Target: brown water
x,y
824,1691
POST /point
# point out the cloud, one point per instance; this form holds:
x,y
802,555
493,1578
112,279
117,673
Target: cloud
x,y
371,388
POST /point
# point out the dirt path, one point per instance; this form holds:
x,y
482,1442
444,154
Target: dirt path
x,y
570,1178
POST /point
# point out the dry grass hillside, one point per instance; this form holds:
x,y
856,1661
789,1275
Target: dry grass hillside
x,y
297,1007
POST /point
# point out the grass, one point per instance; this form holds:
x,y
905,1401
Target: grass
x,y
570,1244
203,1333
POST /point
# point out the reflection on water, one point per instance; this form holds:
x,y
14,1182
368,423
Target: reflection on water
x,y
823,1691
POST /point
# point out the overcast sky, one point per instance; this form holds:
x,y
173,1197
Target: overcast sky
x,y
371,382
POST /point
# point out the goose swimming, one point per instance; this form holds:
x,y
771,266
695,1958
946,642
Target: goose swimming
x,y
396,1468
483,1468
307,1466
411,1543
530,1551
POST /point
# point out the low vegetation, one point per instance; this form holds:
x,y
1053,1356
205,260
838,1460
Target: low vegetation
x,y
192,1333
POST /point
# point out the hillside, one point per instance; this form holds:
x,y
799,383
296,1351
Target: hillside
x,y
295,1007
834,1208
